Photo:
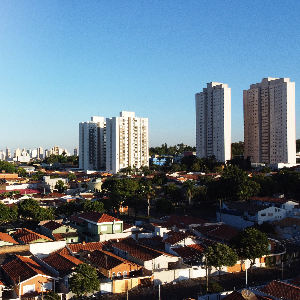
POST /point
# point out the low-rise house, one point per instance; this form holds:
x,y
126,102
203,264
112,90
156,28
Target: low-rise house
x,y
281,290
174,239
26,236
59,232
90,225
28,277
64,264
244,214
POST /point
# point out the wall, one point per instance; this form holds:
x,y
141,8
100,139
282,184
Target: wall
x,y
43,249
106,237
235,221
14,248
121,286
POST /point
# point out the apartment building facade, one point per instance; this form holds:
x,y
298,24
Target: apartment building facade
x,y
213,121
269,121
127,142
92,144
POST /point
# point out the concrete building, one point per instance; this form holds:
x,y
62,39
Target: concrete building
x,y
40,153
92,144
8,154
126,142
213,121
269,121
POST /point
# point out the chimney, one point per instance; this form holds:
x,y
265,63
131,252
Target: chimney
x,y
83,242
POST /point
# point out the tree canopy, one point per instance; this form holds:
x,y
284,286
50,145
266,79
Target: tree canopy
x,y
85,280
219,255
250,244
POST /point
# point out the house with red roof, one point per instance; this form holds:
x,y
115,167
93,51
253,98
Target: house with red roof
x,y
90,225
59,232
29,278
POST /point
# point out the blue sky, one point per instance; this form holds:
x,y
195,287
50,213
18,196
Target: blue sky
x,y
62,62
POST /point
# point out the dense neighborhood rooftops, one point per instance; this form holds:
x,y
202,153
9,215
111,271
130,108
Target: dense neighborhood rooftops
x,y
23,268
155,242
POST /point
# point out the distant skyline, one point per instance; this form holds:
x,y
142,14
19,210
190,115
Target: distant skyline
x,y
62,62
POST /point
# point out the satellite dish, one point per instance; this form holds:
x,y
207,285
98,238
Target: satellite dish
x,y
248,295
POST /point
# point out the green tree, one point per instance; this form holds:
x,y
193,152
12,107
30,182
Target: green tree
x,y
250,244
237,184
172,192
60,186
219,255
22,172
44,214
164,206
71,176
6,214
189,188
28,208
89,205
7,167
85,280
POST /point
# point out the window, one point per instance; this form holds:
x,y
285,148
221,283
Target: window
x,y
119,274
103,228
117,227
125,274
89,225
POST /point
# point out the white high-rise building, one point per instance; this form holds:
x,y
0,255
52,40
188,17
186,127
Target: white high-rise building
x,y
114,143
213,121
92,144
269,121
126,142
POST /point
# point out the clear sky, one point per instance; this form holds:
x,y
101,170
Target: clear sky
x,y
62,62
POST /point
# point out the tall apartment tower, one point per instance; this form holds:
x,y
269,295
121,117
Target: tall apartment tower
x,y
269,121
213,121
126,142
40,152
92,144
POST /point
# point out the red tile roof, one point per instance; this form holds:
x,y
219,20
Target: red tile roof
x,y
197,248
283,290
185,252
75,248
62,263
7,238
238,296
137,250
52,225
176,237
24,268
218,231
27,236
107,260
97,217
